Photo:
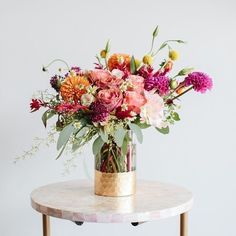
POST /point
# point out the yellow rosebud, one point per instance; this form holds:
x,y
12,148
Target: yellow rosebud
x,y
173,55
137,63
147,59
103,54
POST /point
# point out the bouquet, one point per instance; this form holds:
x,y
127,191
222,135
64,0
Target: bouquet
x,y
118,98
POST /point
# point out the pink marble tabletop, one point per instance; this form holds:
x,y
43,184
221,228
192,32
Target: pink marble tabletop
x,y
75,201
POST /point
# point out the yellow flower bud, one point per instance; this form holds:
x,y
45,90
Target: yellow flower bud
x,y
137,63
147,59
173,55
103,54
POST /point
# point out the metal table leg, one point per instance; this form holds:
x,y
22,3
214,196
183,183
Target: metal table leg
x,y
46,225
184,224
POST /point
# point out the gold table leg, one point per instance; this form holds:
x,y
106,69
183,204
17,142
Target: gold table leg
x,y
184,224
46,225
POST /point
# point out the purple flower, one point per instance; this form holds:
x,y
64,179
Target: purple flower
x,y
76,69
99,112
201,82
55,82
160,83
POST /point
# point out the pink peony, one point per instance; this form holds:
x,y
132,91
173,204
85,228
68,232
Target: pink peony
x,y
152,112
137,83
104,79
110,98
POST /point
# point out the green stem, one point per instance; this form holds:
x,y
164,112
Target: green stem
x,y
182,93
57,60
117,164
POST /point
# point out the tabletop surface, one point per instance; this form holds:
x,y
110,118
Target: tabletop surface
x,y
76,201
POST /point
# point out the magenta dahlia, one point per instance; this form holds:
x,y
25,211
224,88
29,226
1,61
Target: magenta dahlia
x,y
201,82
99,112
160,83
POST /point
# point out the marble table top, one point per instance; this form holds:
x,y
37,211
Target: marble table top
x,y
76,201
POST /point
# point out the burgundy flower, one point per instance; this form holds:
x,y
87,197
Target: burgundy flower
x,y
35,104
99,112
145,71
201,82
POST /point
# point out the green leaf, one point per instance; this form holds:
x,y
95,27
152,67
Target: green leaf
x,y
155,32
62,150
82,131
132,65
124,147
65,135
97,145
103,135
47,115
137,131
175,116
119,136
107,48
185,71
165,130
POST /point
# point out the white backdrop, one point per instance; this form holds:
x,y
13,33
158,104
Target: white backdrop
x,y
199,153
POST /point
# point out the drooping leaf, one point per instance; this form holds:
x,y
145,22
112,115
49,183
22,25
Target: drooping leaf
x,y
165,130
132,65
65,135
175,116
119,136
97,145
82,131
137,131
47,115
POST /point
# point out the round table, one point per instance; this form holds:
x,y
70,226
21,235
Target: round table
x,y
76,201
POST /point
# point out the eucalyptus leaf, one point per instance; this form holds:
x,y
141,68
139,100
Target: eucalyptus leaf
x,y
165,130
119,136
97,145
124,147
81,132
62,150
137,131
175,116
47,115
132,65
103,135
65,135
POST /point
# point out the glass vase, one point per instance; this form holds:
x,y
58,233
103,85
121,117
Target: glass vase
x,y
115,168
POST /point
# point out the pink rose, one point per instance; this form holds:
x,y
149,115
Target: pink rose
x,y
134,101
137,83
110,98
152,112
104,79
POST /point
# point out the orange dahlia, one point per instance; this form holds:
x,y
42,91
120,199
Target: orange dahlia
x,y
116,61
73,87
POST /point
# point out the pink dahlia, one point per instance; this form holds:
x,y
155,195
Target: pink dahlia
x,y
201,82
99,112
160,83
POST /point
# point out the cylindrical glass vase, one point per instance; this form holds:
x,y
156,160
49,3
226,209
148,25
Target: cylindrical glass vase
x,y
115,168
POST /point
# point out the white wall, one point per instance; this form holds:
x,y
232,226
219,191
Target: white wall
x,y
199,153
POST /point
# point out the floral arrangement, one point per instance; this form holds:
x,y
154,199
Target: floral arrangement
x,y
120,94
